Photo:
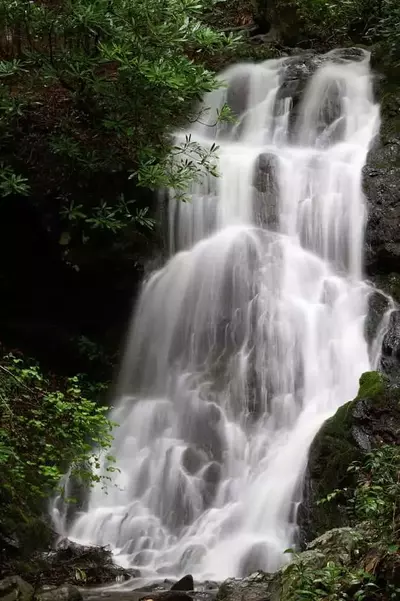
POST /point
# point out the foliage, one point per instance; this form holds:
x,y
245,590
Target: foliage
x,y
374,500
46,427
91,92
376,497
387,28
373,506
374,509
333,582
330,22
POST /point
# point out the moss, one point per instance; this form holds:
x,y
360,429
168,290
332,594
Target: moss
x,y
372,385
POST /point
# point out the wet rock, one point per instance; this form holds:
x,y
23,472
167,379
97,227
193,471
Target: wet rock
x,y
184,584
390,359
14,588
372,418
62,593
267,191
297,73
378,304
193,459
167,596
211,479
381,182
192,555
253,588
238,92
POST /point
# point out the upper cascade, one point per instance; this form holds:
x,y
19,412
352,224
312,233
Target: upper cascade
x,y
252,334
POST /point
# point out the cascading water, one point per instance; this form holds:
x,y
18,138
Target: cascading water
x,y
250,336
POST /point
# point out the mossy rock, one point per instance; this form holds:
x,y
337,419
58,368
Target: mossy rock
x,y
372,418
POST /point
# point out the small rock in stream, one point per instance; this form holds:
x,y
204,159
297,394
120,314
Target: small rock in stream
x,y
184,584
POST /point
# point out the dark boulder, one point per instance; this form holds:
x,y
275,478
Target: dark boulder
x,y
372,418
381,179
184,584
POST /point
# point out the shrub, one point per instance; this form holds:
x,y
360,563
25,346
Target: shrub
x,y
47,427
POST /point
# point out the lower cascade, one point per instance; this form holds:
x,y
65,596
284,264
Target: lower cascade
x,y
252,334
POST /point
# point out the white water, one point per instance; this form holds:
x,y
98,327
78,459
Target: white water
x,y
249,338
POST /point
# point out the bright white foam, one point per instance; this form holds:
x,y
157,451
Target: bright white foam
x,y
248,338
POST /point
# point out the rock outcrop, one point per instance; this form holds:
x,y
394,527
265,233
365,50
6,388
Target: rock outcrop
x,y
381,180
372,418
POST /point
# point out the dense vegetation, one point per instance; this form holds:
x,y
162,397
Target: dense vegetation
x,y
374,514
48,426
90,91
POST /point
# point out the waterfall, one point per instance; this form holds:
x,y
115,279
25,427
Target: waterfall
x,y
252,334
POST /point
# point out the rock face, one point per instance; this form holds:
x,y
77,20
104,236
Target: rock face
x,y
382,189
381,180
390,360
373,417
267,191
378,304
15,588
184,584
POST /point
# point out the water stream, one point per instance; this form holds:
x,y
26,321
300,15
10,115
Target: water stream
x,y
251,335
